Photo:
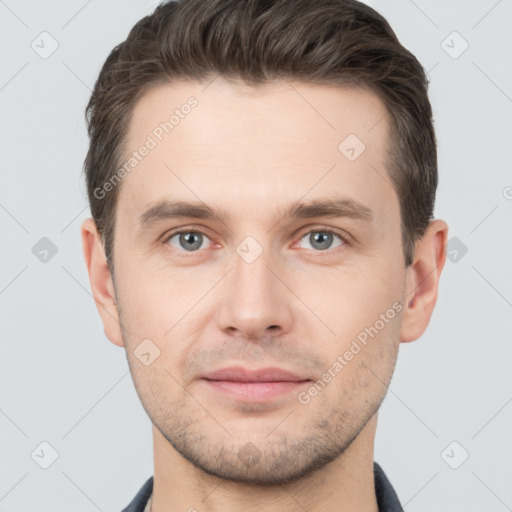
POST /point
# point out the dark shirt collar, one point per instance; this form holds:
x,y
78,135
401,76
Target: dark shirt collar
x,y
387,500
386,495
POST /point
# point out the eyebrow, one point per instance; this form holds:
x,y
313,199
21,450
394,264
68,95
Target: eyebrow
x,y
332,208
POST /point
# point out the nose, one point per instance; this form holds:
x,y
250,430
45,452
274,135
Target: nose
x,y
255,303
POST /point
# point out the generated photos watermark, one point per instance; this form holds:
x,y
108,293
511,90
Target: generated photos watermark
x,y
152,140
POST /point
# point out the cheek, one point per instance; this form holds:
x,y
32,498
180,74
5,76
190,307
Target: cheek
x,y
361,364
353,299
153,299
166,309
365,314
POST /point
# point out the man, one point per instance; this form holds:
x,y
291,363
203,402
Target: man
x,y
262,177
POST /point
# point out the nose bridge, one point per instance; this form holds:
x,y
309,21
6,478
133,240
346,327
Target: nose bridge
x,y
254,298
251,275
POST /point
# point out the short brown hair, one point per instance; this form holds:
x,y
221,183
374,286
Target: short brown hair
x,y
340,42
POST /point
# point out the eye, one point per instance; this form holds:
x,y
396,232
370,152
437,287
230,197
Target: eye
x,y
322,239
188,240
193,241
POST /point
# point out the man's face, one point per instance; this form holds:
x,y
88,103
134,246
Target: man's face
x,y
255,287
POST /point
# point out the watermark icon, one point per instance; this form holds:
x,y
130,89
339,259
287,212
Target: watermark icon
x,y
249,249
455,249
455,455
454,45
304,397
351,147
147,352
249,454
44,250
44,45
152,140
44,455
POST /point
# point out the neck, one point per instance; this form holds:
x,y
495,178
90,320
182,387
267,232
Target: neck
x,y
345,484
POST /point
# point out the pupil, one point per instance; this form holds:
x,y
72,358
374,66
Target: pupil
x,y
191,241
320,240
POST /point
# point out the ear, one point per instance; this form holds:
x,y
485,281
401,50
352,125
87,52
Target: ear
x,y
101,281
423,280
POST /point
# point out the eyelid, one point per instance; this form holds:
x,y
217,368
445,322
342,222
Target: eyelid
x,y
186,229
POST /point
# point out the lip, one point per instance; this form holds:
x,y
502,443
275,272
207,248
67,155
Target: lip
x,y
241,374
261,385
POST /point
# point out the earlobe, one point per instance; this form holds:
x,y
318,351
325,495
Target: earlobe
x,y
423,281
100,279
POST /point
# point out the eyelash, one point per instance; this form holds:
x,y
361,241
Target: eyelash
x,y
342,246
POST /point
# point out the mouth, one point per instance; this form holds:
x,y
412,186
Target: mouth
x,y
260,385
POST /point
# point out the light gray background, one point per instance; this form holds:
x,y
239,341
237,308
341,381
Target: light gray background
x,y
64,383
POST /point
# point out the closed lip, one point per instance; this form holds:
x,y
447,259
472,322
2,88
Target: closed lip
x,y
241,374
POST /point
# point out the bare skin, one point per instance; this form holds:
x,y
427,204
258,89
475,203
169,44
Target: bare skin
x,y
249,153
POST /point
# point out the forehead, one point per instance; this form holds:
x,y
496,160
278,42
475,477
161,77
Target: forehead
x,y
228,105
230,142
